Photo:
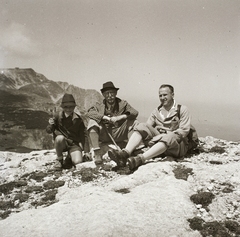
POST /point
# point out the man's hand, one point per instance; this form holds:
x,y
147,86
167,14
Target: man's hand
x,y
51,121
106,118
160,129
114,119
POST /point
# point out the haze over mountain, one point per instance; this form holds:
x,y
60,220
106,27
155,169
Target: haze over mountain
x,y
27,99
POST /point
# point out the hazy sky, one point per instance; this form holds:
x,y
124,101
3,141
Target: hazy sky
x,y
138,44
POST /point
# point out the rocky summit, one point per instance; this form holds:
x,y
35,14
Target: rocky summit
x,y
198,195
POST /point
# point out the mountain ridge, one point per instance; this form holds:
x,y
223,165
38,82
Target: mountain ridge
x,y
27,100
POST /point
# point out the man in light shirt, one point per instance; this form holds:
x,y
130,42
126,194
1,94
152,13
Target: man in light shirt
x,y
165,133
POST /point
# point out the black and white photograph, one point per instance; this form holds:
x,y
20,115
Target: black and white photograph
x,y
120,118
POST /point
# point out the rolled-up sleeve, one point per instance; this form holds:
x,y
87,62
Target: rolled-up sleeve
x,y
130,112
151,120
50,128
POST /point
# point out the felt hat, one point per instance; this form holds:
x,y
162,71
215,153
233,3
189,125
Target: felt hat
x,y
108,86
68,99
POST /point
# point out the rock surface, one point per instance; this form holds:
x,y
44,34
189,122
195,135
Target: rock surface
x,y
195,196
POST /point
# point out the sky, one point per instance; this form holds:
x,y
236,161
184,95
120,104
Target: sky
x,y
193,45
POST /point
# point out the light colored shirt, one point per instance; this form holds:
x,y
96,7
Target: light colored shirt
x,y
165,113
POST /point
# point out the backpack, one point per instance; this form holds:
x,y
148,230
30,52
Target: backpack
x,y
192,136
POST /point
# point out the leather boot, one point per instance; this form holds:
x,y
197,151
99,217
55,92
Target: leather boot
x,y
58,163
120,157
67,163
135,162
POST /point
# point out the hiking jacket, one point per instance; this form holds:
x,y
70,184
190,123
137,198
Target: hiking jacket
x,y
72,128
177,123
121,107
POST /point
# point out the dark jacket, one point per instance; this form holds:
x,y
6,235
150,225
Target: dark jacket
x,y
71,128
121,107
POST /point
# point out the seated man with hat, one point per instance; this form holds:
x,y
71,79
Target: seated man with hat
x,y
110,120
68,132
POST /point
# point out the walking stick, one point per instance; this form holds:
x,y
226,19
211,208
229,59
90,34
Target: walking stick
x,y
111,137
59,127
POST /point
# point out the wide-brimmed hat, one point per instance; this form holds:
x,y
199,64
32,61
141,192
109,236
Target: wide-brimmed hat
x,y
108,86
68,98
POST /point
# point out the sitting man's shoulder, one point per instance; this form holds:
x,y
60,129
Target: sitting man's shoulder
x,y
182,107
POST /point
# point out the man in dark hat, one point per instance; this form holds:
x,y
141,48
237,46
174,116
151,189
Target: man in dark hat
x,y
110,120
68,132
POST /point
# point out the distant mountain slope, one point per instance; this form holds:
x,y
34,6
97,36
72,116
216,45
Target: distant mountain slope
x,y
29,83
27,99
16,78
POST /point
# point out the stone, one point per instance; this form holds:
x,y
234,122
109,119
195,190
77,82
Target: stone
x,y
189,197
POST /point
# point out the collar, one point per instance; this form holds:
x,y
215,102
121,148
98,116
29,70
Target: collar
x,y
173,107
165,113
73,115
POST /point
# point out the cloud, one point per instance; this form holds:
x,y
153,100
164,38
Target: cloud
x,y
15,40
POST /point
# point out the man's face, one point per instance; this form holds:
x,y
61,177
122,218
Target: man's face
x,y
110,96
68,108
166,96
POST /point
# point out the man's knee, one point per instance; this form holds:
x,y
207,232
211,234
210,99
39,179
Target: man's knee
x,y
59,139
76,154
93,133
141,128
170,138
131,124
76,157
94,129
60,143
92,124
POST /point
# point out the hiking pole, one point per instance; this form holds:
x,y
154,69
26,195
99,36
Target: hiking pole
x,y
111,137
59,127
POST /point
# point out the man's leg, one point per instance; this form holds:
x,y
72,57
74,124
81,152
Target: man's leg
x,y
140,159
94,140
60,146
120,157
142,132
76,157
134,141
124,131
168,144
154,151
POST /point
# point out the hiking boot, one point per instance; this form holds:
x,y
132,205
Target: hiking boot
x,y
87,157
120,157
135,162
58,164
97,157
67,163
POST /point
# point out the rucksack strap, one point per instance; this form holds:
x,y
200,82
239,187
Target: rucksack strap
x,y
178,110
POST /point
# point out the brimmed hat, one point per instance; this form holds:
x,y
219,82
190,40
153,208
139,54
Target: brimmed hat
x,y
68,98
108,85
